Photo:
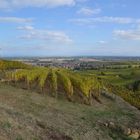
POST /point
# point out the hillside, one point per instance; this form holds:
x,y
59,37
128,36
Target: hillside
x,y
26,115
69,70
123,82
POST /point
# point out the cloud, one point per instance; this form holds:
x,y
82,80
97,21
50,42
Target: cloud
x,y
88,11
15,20
12,4
128,34
105,19
25,28
102,42
46,35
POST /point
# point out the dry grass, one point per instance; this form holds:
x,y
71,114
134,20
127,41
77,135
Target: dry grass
x,y
27,115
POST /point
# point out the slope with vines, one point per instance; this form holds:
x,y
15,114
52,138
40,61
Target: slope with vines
x,y
57,81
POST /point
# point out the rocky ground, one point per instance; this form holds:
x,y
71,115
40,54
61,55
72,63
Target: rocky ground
x,y
26,115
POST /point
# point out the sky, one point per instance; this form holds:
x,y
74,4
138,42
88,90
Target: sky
x,y
69,28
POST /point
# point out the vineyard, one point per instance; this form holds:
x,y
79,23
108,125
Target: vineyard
x,y
33,102
9,65
55,82
76,86
124,82
127,95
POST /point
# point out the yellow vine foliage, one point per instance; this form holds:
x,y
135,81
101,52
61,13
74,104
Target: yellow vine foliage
x,y
53,81
73,83
65,80
42,77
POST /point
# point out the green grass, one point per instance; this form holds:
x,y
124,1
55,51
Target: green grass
x,y
6,125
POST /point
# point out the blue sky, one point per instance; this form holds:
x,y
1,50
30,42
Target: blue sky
x,y
70,27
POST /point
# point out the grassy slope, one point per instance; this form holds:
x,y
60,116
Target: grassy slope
x,y
26,115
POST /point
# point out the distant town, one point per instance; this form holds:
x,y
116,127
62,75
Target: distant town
x,y
78,63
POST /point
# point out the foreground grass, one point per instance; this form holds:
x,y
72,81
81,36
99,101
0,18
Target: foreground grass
x,y
26,115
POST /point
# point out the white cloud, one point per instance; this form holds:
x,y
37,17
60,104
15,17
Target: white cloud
x,y
105,19
45,35
102,42
128,34
88,11
11,4
25,28
42,3
15,20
